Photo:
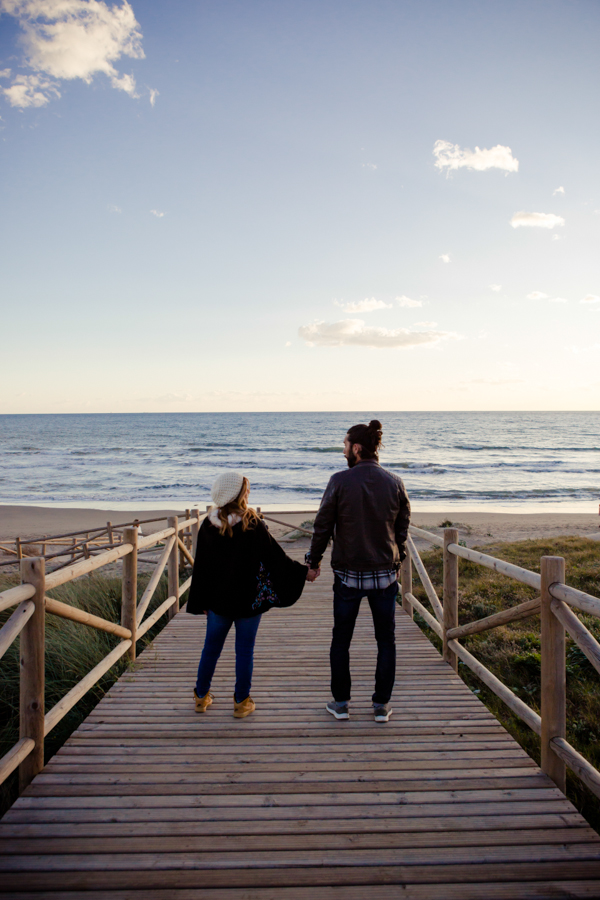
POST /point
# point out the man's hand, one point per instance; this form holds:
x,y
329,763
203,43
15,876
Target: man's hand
x,y
313,574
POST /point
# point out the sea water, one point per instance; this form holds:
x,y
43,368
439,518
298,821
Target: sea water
x,y
472,460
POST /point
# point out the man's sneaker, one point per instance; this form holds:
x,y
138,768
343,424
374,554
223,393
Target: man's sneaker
x,y
382,713
202,703
338,709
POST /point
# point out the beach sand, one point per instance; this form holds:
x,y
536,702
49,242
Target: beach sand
x,y
475,527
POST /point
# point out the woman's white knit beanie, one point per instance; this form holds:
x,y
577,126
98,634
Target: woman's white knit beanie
x,y
226,487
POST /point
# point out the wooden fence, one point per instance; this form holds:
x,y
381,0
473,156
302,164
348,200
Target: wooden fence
x,y
557,618
32,604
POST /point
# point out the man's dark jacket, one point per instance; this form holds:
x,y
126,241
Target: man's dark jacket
x,y
367,511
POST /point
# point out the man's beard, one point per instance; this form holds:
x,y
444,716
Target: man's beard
x,y
351,459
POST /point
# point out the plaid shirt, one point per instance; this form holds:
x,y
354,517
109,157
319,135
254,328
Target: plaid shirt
x,y
367,581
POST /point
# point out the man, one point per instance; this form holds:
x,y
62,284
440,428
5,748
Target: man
x,y
367,511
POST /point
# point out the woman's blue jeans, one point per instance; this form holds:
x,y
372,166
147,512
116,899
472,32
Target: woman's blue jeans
x,y
217,629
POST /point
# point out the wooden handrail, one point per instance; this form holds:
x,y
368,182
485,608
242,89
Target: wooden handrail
x,y
15,624
425,580
185,551
13,596
513,614
15,756
153,583
512,701
153,619
58,712
426,535
65,611
498,565
577,764
585,602
584,639
433,623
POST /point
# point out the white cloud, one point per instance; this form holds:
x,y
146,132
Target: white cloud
x,y
157,213
558,300
362,306
536,220
495,287
590,298
371,166
408,302
288,344
445,257
113,208
451,156
354,332
537,295
425,325
30,90
5,73
153,95
559,190
67,39
556,237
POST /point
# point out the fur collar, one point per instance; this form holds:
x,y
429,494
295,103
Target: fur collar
x,y
213,518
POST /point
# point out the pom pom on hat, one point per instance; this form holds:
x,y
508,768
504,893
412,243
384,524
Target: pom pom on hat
x,y
226,487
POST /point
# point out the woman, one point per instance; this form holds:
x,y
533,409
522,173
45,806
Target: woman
x,y
240,571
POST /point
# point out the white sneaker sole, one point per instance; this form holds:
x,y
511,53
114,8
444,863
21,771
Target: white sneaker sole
x,y
337,714
384,718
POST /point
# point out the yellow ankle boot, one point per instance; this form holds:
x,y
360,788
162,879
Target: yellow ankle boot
x,y
202,703
243,709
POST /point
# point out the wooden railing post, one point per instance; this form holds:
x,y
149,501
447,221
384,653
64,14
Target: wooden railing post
x,y
406,583
173,570
450,600
129,590
554,686
195,531
32,651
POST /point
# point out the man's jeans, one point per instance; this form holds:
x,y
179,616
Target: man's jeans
x,y
217,629
346,603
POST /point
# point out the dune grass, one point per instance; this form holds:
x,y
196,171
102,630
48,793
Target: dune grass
x,y
512,652
72,650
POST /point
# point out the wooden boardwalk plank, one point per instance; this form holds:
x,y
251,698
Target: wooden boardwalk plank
x,y
149,800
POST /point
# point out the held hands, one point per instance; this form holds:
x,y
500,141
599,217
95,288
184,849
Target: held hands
x,y
313,574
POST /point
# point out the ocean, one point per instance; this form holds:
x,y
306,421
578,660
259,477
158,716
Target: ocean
x,y
520,461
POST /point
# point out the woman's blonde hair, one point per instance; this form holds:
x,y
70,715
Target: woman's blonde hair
x,y
238,507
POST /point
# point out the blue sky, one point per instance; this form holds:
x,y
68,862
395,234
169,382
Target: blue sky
x,y
280,205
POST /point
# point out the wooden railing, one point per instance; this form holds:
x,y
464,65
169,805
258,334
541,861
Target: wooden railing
x,y
28,621
557,618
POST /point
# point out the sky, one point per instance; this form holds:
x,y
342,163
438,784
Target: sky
x,y
221,205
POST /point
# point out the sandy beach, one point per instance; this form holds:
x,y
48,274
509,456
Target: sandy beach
x,y
476,527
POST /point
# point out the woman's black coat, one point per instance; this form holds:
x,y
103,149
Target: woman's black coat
x,y
244,574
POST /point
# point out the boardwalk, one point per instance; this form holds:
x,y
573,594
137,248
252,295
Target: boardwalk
x,y
148,800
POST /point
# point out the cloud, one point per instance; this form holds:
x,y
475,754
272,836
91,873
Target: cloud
x,y
450,156
590,298
362,306
68,39
354,332
445,257
5,73
556,237
536,220
153,95
559,190
157,213
538,295
369,166
495,287
407,302
288,344
113,208
30,90
425,325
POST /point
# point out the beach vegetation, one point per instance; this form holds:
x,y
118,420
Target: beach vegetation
x,y
72,650
513,652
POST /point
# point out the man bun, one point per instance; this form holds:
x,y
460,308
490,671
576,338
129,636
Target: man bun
x,y
368,436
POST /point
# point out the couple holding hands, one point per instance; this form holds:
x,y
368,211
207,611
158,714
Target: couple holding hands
x,y
240,572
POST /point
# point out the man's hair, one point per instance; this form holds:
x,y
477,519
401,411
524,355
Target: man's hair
x,y
369,437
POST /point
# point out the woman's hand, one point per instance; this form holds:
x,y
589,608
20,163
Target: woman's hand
x,y
313,574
